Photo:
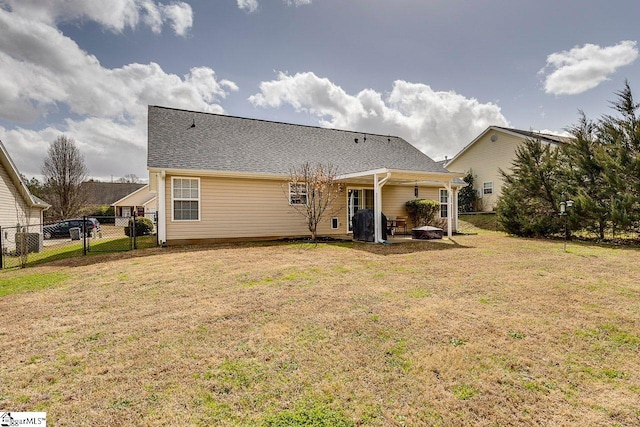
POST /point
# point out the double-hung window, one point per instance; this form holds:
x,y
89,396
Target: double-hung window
x,y
444,203
487,187
297,193
185,199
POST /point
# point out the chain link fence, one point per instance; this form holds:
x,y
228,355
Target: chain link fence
x,y
24,245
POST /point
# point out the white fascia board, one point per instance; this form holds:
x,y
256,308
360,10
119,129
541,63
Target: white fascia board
x,y
361,174
404,174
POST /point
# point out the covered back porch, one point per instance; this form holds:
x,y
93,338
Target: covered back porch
x,y
450,182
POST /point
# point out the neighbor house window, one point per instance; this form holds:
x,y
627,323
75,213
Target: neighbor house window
x,y
335,223
487,188
185,199
297,193
444,203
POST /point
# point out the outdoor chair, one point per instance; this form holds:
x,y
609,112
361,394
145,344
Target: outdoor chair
x,y
401,224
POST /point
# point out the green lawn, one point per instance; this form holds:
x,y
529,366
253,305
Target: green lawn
x,y
68,249
482,330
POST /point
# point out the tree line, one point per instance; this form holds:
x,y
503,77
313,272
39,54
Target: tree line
x,y
598,168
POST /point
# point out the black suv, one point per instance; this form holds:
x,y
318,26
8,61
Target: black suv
x,y
61,229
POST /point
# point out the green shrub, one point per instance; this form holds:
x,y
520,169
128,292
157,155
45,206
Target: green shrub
x,y
144,226
422,211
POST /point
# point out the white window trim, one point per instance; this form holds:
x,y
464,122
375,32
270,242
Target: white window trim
x,y
337,222
489,189
189,199
446,203
306,194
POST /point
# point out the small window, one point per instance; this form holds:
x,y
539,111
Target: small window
x,y
487,188
297,193
334,223
185,194
444,203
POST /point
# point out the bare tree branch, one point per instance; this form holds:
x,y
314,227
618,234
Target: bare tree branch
x,y
312,192
64,171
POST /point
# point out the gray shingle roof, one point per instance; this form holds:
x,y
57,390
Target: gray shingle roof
x,y
234,144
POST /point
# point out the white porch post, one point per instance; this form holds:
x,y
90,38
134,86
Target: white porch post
x,y
377,206
161,208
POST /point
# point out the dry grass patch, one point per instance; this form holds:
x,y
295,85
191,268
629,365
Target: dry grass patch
x,y
482,330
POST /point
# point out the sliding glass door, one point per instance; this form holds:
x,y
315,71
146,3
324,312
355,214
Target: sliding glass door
x,y
358,198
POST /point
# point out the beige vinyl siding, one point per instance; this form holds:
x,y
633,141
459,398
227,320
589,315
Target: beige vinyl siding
x,y
394,198
13,208
258,208
485,158
244,208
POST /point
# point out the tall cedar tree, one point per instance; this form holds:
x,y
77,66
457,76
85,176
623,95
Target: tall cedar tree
x,y
620,137
64,171
530,196
585,169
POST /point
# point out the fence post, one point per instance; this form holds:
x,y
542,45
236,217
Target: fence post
x,y
84,236
1,251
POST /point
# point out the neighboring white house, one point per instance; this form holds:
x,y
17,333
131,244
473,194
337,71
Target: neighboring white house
x,y
17,205
491,151
141,202
220,177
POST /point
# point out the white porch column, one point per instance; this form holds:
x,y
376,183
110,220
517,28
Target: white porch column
x,y
377,206
161,208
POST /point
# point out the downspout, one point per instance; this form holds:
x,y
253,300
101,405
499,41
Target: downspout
x,y
377,206
161,210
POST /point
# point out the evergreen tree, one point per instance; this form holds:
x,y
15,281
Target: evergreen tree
x,y
585,161
530,196
620,136
467,196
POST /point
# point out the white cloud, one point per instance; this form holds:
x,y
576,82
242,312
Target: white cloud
x,y
115,15
42,70
297,2
180,15
438,123
249,5
583,68
252,5
109,148
563,133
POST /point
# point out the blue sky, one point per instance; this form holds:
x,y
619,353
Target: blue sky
x,y
434,72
